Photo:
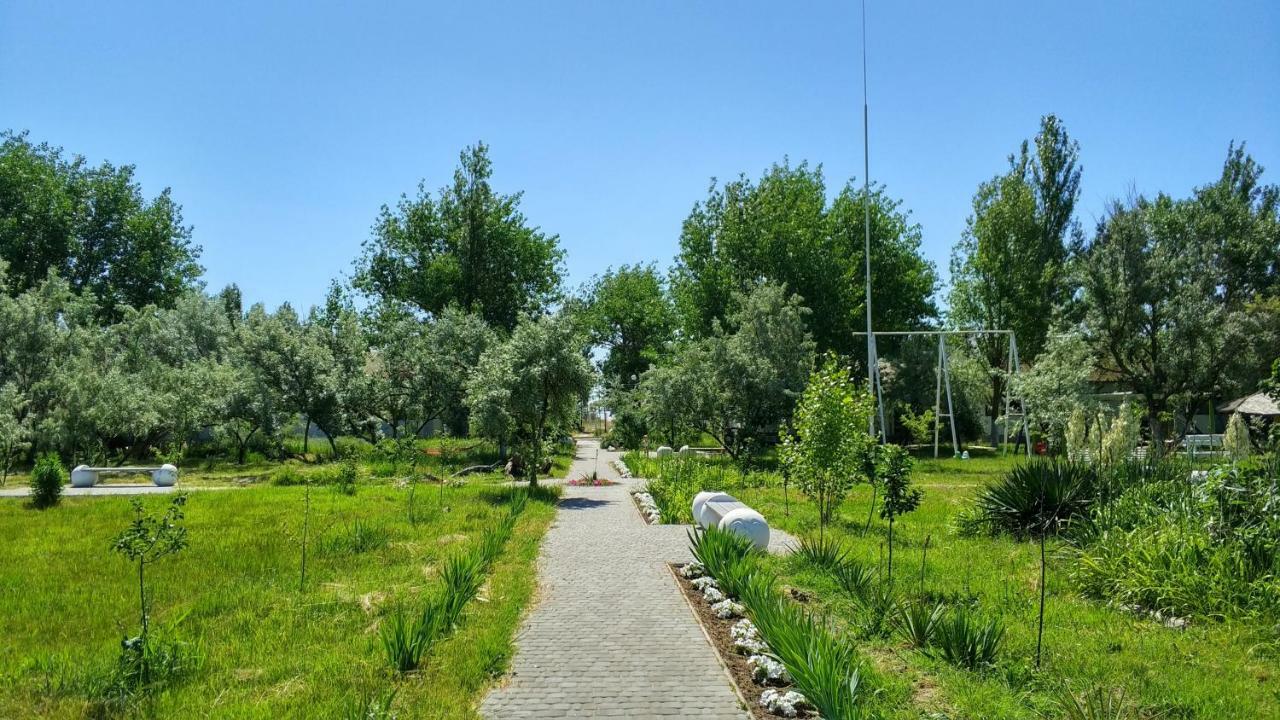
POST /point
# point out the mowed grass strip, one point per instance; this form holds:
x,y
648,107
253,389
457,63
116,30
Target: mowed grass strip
x,y
269,650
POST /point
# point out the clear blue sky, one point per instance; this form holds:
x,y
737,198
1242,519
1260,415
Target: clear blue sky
x,y
282,129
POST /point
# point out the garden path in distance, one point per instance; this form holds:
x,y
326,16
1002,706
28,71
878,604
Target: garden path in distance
x,y
611,635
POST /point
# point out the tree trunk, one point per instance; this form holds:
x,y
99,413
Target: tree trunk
x,y
872,510
1156,425
243,447
1040,630
306,436
142,599
890,572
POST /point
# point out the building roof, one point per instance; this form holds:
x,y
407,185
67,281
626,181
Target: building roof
x,y
1258,403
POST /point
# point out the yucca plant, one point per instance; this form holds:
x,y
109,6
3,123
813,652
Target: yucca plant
x,y
917,622
961,638
877,603
1098,703
1039,499
854,578
823,553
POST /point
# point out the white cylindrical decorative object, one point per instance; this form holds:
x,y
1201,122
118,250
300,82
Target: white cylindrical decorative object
x,y
166,476
665,451
686,451
82,476
749,524
701,514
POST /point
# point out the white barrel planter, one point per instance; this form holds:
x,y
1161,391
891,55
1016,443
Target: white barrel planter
x,y
727,513
665,451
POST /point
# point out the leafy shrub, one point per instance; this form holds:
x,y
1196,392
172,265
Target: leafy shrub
x,y
47,478
963,639
347,474
675,483
288,475
1210,548
1037,497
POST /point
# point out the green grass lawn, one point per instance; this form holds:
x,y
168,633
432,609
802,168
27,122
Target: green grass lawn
x,y
1211,670
269,650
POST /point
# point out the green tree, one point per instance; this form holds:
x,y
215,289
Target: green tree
x,y
671,397
1057,384
297,364
92,226
416,370
14,433
1008,268
629,313
893,470
148,539
740,384
529,389
783,230
829,438
468,245
1150,309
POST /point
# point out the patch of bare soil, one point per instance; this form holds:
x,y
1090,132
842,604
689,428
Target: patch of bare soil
x,y
718,631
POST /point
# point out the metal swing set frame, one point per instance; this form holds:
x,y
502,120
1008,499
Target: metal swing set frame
x,y
943,386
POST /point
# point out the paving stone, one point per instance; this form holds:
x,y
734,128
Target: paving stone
x,y
611,635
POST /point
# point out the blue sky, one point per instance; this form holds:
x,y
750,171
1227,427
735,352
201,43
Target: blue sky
x,y
283,128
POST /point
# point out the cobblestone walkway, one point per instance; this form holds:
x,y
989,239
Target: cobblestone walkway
x,y
611,634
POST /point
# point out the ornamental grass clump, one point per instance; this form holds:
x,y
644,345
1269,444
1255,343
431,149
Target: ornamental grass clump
x,y
407,638
822,665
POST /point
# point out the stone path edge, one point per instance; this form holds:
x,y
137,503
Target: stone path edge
x,y
724,667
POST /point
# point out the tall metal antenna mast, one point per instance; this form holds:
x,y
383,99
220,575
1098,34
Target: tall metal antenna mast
x,y
866,204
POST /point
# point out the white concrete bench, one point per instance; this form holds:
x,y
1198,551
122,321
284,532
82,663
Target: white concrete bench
x,y
1202,444
85,476
724,511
